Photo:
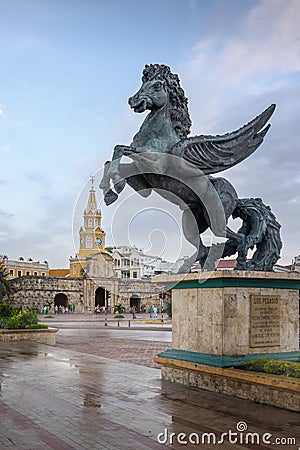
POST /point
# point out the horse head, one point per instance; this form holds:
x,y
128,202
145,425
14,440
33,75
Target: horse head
x,y
152,95
161,88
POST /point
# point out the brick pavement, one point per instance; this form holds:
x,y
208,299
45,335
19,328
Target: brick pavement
x,y
134,351
63,398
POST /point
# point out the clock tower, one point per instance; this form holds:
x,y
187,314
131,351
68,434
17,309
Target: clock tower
x,y
91,235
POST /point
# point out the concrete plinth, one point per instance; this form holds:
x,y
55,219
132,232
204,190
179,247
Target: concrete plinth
x,y
224,318
43,336
235,312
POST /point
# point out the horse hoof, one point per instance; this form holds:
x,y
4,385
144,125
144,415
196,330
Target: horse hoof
x,y
185,268
110,197
104,185
119,186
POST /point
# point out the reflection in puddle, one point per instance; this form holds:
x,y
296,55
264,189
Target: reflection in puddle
x,y
91,400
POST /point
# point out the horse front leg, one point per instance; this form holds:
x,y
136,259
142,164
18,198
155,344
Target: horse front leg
x,y
114,173
111,173
109,195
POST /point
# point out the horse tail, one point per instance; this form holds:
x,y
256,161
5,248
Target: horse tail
x,y
262,230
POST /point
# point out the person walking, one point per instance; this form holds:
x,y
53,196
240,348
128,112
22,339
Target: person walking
x,y
151,311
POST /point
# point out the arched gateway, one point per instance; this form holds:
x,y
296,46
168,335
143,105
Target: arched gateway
x,y
135,301
100,297
61,300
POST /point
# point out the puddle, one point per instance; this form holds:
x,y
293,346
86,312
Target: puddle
x,y
91,400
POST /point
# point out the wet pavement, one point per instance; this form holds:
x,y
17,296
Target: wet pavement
x,y
97,389
140,322
134,346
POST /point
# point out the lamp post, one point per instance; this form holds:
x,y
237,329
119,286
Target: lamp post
x,y
105,319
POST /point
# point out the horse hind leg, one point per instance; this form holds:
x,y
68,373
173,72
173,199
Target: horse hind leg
x,y
190,225
191,234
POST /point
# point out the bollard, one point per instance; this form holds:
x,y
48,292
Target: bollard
x,y
118,323
129,323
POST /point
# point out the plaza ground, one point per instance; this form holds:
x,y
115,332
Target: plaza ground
x,y
99,388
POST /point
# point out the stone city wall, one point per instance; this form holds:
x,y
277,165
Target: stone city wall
x,y
121,291
34,291
145,290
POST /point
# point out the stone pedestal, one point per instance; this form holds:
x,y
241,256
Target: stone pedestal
x,y
224,318
235,313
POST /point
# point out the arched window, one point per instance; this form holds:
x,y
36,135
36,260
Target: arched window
x,y
89,241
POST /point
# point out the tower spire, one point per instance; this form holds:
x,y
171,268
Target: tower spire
x,y
91,235
92,202
92,182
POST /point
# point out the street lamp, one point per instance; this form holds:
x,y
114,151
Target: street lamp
x,y
105,318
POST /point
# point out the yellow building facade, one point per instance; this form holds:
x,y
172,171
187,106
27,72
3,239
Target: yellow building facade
x,y
21,268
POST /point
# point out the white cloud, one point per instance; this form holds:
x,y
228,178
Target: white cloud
x,y
265,47
80,162
5,149
273,28
232,76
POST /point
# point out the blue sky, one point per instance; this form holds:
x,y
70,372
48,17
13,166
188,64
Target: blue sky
x,y
68,68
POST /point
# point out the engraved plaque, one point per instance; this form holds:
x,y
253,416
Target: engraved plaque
x,y
264,320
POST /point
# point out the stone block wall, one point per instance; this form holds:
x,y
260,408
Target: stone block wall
x,y
42,336
33,291
261,388
234,312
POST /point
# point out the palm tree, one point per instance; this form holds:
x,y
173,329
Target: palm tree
x,y
118,310
5,286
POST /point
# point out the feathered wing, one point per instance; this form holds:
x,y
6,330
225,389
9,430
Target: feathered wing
x,y
213,154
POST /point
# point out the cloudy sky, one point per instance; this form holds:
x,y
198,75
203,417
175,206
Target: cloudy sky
x,y
68,67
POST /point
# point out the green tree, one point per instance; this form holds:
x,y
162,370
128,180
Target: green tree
x,y
5,285
21,320
49,304
118,310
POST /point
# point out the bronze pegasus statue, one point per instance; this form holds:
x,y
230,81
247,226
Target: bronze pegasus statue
x,y
179,168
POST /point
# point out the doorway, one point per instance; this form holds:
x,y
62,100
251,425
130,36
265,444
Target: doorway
x,y
135,302
100,297
61,300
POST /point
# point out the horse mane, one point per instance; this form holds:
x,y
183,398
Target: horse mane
x,y
179,114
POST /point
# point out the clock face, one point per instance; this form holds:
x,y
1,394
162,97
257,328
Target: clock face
x,y
81,242
98,241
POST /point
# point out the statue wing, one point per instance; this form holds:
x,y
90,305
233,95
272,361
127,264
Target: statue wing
x,y
213,154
